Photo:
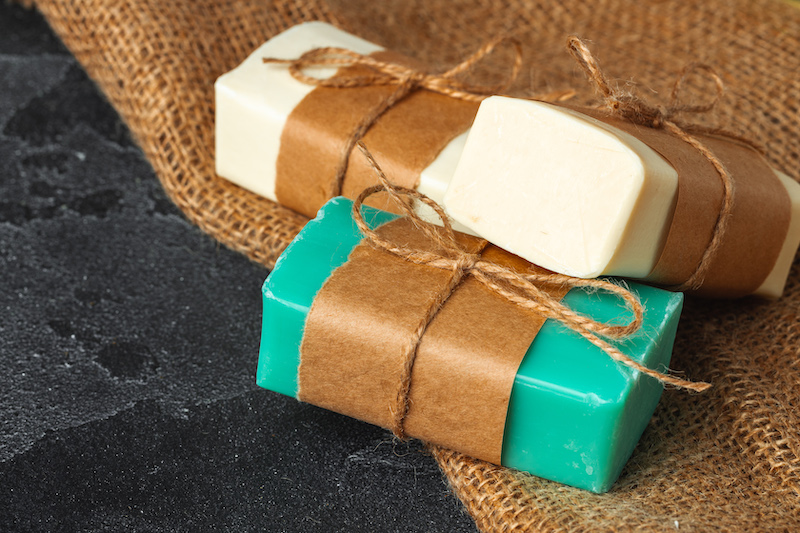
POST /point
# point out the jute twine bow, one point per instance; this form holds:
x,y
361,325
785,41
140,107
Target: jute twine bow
x,y
406,80
519,288
630,107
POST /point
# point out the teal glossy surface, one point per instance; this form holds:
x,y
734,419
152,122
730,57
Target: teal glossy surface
x,y
574,415
322,246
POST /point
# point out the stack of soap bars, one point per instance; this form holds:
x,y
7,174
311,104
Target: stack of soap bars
x,y
565,188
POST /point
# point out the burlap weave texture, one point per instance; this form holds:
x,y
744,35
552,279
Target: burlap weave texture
x,y
726,460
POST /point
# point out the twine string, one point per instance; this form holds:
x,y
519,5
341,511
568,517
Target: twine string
x,y
405,79
634,109
519,288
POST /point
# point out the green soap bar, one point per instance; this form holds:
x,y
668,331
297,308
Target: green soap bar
x,y
574,415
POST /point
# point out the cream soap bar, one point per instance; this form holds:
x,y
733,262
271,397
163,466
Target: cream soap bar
x,y
573,194
254,100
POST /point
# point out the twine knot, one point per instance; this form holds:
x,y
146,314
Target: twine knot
x,y
466,262
522,289
631,107
636,110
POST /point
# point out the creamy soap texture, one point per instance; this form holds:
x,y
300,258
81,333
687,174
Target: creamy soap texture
x,y
573,194
254,100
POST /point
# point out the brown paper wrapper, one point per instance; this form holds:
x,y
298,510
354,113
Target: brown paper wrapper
x,y
362,318
405,140
759,219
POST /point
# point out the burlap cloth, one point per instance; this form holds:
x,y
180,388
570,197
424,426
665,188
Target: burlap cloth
x,y
725,460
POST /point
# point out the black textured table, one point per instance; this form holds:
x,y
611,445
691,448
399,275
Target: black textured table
x,y
128,343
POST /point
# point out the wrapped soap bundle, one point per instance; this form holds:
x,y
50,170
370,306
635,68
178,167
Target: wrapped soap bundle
x,y
490,378
627,190
580,191
444,336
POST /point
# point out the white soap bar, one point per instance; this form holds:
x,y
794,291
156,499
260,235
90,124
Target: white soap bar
x,y
773,285
573,194
564,191
254,100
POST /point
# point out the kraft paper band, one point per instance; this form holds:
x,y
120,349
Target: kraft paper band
x,y
352,349
759,220
405,140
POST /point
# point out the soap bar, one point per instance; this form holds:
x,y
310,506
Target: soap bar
x,y
574,415
254,100
576,195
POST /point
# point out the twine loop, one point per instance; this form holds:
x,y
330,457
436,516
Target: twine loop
x,y
636,110
519,288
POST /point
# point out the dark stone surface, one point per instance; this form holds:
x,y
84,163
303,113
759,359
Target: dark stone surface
x,y
128,341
